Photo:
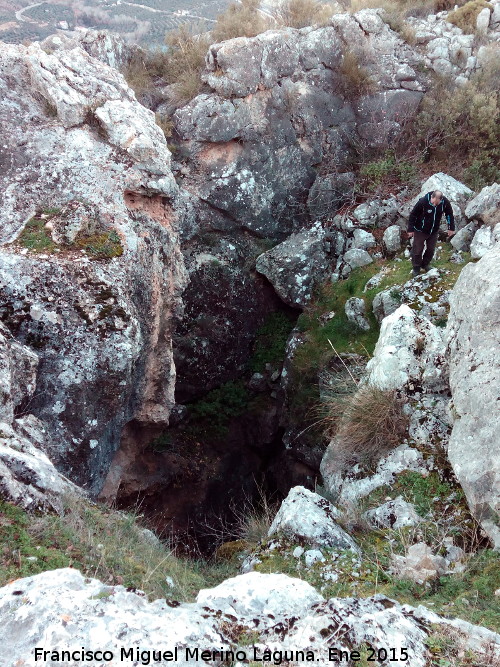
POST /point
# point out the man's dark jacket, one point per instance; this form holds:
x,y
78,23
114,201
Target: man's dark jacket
x,y
426,218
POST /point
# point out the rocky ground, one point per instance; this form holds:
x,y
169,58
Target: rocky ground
x,y
170,326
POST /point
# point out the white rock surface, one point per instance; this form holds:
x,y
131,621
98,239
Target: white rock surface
x,y
363,239
355,311
394,514
308,517
419,564
357,257
473,335
482,242
279,613
392,239
409,353
485,206
296,266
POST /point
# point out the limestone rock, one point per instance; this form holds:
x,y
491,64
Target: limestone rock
x,y
392,239
473,343
482,242
409,353
386,302
394,514
102,329
355,258
328,193
485,206
363,239
419,564
351,487
355,311
253,604
296,266
462,239
308,517
256,595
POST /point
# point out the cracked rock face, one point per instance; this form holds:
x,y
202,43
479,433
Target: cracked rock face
x,y
73,132
473,342
277,110
278,612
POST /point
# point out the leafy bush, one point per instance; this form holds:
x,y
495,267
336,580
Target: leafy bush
x,y
384,172
220,405
460,125
465,17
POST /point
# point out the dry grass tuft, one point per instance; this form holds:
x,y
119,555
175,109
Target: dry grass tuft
x,y
302,13
465,17
240,20
365,425
355,80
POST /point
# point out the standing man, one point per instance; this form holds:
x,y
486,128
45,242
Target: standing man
x,y
423,226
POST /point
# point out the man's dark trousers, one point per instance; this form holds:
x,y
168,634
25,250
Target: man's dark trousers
x,y
419,239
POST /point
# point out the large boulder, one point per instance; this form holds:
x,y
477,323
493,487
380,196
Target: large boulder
x,y
484,240
296,266
308,517
409,354
485,206
473,335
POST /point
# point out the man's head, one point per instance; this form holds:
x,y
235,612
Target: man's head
x,y
436,197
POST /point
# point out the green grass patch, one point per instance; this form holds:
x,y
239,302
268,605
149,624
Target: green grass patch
x,y
270,342
101,543
36,237
100,246
470,595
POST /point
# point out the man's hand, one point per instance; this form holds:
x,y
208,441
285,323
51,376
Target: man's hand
x,y
450,233
410,235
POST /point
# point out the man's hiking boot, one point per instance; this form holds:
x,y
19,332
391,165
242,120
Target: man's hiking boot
x,y
416,271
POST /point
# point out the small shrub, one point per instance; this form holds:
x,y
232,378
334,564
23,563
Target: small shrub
x,y
355,80
302,13
386,171
460,126
371,423
465,17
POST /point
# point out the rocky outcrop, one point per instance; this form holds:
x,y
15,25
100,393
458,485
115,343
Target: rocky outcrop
x,y
251,614
27,476
473,343
100,324
485,207
280,105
